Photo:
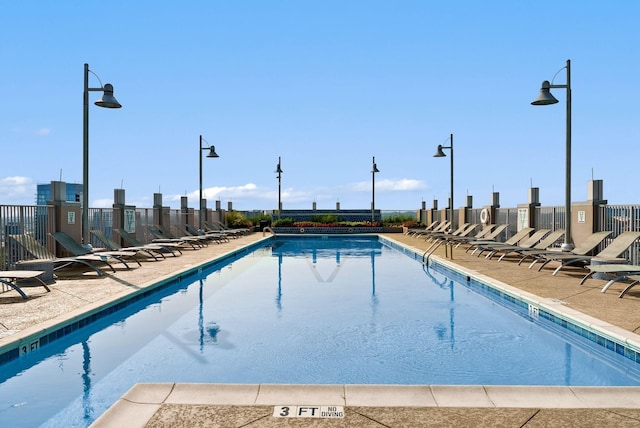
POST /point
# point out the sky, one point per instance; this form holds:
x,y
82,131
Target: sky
x,y
325,85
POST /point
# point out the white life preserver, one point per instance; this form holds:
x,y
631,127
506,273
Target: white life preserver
x,y
302,230
485,216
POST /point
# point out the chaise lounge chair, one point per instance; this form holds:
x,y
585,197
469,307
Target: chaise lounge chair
x,y
77,249
12,277
529,242
621,272
481,246
221,227
190,230
483,233
542,245
413,230
165,247
486,237
612,251
591,242
464,229
441,228
163,236
150,251
36,251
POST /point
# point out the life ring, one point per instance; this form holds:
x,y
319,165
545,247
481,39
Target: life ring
x,y
485,216
350,230
302,230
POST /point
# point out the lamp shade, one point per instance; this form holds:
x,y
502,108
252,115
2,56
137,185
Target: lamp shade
x,y
375,168
545,97
212,152
439,152
108,100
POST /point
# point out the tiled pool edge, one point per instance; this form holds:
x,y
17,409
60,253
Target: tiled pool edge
x,y
621,341
65,324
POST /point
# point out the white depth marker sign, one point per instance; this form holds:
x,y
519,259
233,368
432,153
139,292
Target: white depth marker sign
x,y
329,412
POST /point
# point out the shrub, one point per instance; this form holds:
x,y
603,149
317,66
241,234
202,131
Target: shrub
x,y
283,222
235,219
326,218
404,220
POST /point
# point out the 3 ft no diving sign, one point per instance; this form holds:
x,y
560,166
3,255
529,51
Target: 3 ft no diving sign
x,y
327,412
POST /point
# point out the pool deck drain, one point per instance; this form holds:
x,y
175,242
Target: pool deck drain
x,y
169,405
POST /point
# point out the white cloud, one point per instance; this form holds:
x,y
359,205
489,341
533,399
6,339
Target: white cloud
x,y
17,190
387,185
102,203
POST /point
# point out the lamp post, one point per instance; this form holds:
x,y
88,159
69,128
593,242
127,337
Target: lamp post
x,y
212,154
279,171
108,101
545,98
441,154
374,169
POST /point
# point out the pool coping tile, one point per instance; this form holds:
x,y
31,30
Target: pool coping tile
x,y
221,394
389,396
461,396
287,394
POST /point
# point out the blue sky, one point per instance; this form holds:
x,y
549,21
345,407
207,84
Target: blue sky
x,y
326,85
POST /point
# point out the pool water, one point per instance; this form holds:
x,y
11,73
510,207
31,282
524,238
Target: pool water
x,y
302,310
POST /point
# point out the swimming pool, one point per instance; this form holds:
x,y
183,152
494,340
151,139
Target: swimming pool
x,y
304,310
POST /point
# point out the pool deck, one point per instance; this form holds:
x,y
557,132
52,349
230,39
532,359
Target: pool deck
x,y
169,405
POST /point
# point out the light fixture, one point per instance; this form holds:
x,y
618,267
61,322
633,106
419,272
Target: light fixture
x,y
440,154
546,98
212,154
374,170
108,101
279,171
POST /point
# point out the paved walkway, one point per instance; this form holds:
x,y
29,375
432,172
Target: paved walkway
x,y
170,405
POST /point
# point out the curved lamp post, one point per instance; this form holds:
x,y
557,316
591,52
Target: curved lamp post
x,y
279,176
441,154
108,101
545,98
374,170
212,154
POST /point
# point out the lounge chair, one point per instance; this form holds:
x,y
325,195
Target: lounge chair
x,y
11,278
36,251
464,231
220,226
75,248
481,245
441,228
165,247
458,232
413,230
542,245
461,239
486,237
529,242
232,233
215,235
217,238
591,242
612,251
621,272
151,251
163,236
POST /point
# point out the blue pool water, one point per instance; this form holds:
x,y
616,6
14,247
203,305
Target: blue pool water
x,y
303,310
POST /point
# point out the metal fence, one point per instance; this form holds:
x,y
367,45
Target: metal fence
x,y
33,220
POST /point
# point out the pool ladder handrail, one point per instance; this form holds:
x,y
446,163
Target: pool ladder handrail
x,y
434,246
267,228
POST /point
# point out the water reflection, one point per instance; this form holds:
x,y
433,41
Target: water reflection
x,y
444,284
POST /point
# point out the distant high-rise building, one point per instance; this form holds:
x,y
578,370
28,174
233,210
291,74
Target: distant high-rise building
x,y
74,193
